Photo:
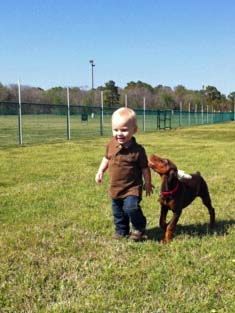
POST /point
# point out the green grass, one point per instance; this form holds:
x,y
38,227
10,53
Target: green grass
x,y
56,248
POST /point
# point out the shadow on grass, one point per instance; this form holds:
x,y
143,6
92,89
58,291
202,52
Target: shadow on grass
x,y
194,230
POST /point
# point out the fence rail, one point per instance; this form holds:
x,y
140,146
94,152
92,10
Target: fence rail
x,y
28,123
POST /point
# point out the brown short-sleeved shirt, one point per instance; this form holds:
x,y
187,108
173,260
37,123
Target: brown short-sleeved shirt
x,y
125,168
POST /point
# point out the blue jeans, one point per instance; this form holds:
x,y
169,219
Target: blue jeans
x,y
128,210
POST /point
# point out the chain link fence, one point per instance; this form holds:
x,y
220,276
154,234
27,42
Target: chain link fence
x,y
29,123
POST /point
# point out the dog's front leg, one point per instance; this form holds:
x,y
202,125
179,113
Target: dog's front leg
x,y
170,229
162,221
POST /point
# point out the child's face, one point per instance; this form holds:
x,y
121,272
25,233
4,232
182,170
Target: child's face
x,y
123,130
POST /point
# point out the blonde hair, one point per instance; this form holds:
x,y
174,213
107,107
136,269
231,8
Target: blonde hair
x,y
127,114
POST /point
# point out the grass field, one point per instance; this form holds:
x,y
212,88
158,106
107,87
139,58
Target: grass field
x,y
56,248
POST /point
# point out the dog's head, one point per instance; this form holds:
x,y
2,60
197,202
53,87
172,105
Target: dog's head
x,y
162,166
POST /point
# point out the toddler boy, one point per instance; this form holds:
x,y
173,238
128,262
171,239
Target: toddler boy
x,y
127,163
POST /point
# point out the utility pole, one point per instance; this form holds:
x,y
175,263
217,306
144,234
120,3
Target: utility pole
x,y
92,73
92,81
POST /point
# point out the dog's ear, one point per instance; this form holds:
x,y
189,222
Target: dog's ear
x,y
166,162
172,175
172,165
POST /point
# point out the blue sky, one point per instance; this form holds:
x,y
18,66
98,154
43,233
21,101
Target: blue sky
x,y
50,43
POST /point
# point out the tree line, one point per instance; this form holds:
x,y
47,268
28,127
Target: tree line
x,y
133,93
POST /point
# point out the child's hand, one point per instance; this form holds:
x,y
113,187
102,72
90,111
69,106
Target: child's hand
x,y
148,189
99,177
103,167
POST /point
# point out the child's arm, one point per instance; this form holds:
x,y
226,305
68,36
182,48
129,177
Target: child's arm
x,y
147,180
102,168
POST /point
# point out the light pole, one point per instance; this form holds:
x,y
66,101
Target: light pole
x,y
92,73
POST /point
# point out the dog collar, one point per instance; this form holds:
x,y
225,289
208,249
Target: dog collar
x,y
171,192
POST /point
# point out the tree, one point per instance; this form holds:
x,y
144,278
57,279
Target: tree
x,y
4,93
136,92
56,95
87,99
212,97
158,97
164,97
212,93
231,97
138,84
111,95
32,94
180,93
194,97
167,100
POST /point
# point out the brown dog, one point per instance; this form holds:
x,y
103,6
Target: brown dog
x,y
177,194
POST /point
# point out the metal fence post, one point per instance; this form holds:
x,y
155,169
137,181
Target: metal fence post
x,y
68,116
126,101
20,116
180,120
233,109
158,119
202,115
102,113
195,112
189,112
144,107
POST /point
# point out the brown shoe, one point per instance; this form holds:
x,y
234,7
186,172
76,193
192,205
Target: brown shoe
x,y
118,236
137,235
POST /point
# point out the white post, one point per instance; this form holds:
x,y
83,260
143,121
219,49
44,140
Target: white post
x,y
102,112
20,115
126,101
202,114
144,107
180,113
202,109
68,116
233,109
189,112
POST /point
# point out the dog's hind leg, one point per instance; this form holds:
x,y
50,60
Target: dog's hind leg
x,y
207,202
